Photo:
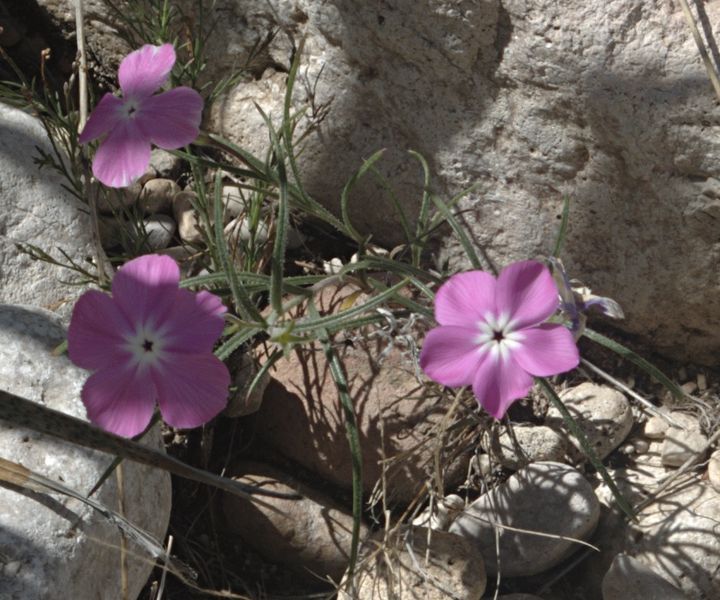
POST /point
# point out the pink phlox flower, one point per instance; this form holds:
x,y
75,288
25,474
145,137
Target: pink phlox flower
x,y
492,334
140,118
150,342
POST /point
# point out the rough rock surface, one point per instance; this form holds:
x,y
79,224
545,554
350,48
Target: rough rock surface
x,y
629,579
681,444
601,412
49,543
526,445
310,535
399,416
34,209
530,101
453,569
546,497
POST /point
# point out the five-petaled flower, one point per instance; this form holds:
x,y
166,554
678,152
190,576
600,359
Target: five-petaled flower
x,y
149,342
492,335
140,118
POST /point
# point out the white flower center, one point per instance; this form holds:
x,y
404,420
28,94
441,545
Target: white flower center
x,y
498,336
146,346
129,108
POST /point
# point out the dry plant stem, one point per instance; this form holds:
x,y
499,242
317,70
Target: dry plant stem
x,y
684,468
82,58
163,577
26,413
622,387
119,475
712,73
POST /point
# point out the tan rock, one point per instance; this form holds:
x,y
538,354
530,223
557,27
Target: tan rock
x,y
157,195
311,534
400,416
420,565
187,218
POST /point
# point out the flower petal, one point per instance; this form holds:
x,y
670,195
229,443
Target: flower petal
x,y
465,299
146,289
120,399
105,116
527,293
499,382
145,70
122,157
172,119
195,324
547,350
96,331
192,389
450,355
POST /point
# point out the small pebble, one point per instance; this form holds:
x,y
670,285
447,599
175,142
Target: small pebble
x,y
655,428
702,382
186,218
157,195
681,444
682,374
12,568
689,387
641,446
160,230
233,201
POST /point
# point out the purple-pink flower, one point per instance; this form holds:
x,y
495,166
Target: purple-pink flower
x,y
140,118
150,342
492,335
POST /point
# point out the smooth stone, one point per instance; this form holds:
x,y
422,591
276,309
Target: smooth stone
x,y
160,230
443,514
50,545
547,497
308,535
35,209
713,470
629,579
233,201
237,233
675,536
165,164
681,444
440,565
601,412
302,418
655,428
187,218
157,195
530,444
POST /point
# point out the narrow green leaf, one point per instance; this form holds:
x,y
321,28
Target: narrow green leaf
x,y
625,352
338,375
345,195
459,232
243,304
586,446
560,240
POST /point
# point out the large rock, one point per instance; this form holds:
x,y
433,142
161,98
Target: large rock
x,y
50,544
34,209
544,497
310,535
401,419
629,579
527,100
